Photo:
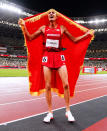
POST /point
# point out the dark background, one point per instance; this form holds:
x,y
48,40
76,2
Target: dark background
x,y
70,8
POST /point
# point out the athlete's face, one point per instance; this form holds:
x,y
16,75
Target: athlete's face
x,y
52,15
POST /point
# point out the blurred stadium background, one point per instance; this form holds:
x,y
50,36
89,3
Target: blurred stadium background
x,y
13,53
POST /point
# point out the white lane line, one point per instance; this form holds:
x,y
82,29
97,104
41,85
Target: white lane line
x,y
92,81
13,90
44,97
91,84
95,78
26,92
79,80
23,101
5,123
13,87
15,93
91,89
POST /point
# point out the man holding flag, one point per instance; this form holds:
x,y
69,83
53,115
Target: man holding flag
x,y
55,64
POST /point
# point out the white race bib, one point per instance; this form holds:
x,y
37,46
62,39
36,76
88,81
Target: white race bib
x,y
52,43
45,59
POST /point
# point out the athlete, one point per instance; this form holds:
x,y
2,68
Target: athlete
x,y
53,58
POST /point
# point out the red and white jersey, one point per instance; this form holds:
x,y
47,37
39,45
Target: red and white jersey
x,y
53,38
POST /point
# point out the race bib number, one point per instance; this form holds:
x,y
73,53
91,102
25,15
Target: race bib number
x,y
62,58
45,59
52,43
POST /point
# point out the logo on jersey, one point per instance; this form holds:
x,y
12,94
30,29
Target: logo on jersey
x,y
62,58
45,59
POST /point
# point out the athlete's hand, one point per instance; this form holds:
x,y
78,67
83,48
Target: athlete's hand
x,y
92,32
21,22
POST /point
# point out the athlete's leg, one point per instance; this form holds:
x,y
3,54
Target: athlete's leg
x,y
47,76
64,77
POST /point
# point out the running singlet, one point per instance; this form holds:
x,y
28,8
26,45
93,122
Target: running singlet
x,y
53,56
53,39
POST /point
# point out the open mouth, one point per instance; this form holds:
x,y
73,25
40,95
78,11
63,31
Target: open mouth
x,y
51,16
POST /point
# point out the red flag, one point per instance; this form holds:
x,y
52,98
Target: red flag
x,y
74,54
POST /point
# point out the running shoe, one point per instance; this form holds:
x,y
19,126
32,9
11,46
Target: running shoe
x,y
48,118
70,117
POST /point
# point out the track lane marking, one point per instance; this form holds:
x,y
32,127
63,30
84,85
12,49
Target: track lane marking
x,y
77,85
5,123
44,97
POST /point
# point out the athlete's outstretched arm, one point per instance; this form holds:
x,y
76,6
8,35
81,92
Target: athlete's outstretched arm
x,y
30,36
76,39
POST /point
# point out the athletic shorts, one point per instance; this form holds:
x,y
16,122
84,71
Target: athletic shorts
x,y
53,59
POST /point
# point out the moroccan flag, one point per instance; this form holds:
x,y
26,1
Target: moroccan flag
x,y
74,53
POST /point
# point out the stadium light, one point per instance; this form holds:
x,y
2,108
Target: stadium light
x,y
90,21
103,20
10,8
80,21
8,23
26,14
97,21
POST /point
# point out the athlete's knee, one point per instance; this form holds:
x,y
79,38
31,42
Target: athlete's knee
x,y
66,86
48,86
